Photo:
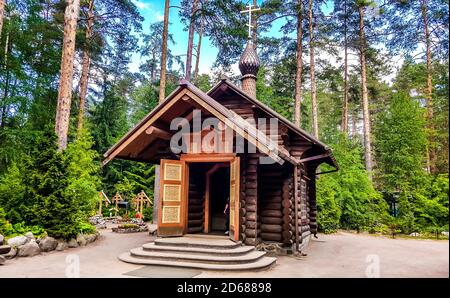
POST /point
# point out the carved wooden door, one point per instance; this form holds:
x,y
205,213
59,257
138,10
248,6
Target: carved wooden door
x,y
172,203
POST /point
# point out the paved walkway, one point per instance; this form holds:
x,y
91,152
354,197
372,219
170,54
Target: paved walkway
x,y
337,255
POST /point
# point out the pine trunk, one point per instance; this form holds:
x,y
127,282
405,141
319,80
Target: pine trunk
x,y
312,72
199,48
84,80
365,99
5,107
191,41
431,156
2,13
344,124
298,76
162,84
66,76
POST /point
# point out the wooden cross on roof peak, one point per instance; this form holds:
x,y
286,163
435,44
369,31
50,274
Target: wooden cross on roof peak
x,y
250,9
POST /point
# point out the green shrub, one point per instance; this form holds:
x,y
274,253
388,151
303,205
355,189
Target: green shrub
x,y
148,214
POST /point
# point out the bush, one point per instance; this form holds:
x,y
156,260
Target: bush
x,y
56,191
148,214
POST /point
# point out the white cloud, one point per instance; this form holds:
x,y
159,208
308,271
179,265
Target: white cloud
x,y
159,16
141,4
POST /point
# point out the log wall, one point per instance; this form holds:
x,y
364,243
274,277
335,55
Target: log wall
x,y
196,205
251,199
270,196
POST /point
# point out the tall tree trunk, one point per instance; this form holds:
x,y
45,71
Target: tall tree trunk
x,y
312,71
344,124
162,84
431,156
191,40
66,76
84,80
365,98
298,76
2,13
199,48
8,45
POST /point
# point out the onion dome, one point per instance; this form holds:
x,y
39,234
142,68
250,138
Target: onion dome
x,y
249,62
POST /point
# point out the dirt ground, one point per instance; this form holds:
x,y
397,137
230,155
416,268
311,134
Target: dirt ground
x,y
338,255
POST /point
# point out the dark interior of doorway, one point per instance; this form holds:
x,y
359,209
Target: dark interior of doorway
x,y
220,191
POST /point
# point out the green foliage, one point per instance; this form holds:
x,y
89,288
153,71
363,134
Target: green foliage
x,y
148,214
57,191
347,198
400,141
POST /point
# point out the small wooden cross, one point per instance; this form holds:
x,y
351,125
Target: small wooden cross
x,y
249,11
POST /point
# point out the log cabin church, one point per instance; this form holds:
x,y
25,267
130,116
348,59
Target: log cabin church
x,y
264,165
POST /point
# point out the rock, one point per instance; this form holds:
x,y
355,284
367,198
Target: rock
x,y
29,235
1,239
18,241
62,245
101,226
81,240
72,243
445,233
90,238
4,249
29,249
415,234
2,260
48,244
12,253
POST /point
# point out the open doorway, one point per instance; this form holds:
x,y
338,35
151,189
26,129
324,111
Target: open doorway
x,y
219,193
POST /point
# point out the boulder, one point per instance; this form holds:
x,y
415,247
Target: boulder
x,y
415,234
1,239
18,241
81,240
29,249
29,235
4,249
62,245
90,238
12,253
445,233
48,244
2,260
72,243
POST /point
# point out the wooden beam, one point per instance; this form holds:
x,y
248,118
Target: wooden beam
x,y
158,132
314,157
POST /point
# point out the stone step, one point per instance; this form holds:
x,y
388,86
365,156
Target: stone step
x,y
240,250
249,257
202,242
261,263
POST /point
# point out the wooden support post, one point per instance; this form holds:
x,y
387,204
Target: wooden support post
x,y
297,244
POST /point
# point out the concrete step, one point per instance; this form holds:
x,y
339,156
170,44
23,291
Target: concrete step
x,y
218,242
249,257
240,250
261,263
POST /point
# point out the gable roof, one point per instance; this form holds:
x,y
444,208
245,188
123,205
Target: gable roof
x,y
295,129
240,125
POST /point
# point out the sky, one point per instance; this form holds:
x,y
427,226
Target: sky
x,y
153,11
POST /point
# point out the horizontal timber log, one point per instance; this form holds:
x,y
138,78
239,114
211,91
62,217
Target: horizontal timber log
x,y
271,220
271,228
271,236
271,213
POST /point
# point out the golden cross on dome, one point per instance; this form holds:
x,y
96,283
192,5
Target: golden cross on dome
x,y
249,11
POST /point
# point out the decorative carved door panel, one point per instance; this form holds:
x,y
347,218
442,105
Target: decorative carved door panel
x,y
172,202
